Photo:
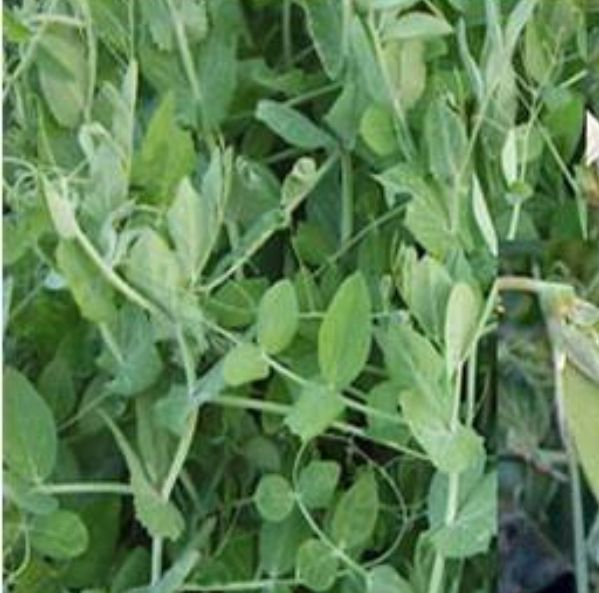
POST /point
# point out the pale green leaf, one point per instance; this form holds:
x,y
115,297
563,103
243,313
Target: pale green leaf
x,y
243,364
274,498
483,217
63,73
377,131
278,317
294,127
317,483
316,409
192,224
61,211
345,334
461,323
385,579
91,292
316,565
418,25
509,157
60,535
474,525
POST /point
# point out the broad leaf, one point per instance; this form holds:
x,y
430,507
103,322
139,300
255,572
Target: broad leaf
x,y
317,483
30,439
345,334
243,364
278,317
60,535
274,498
316,565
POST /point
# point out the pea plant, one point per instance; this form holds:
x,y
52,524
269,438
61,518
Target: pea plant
x,y
549,411
250,294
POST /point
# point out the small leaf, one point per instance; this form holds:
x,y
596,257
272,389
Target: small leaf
x,y
60,535
377,131
30,440
418,25
173,579
244,364
483,217
356,513
461,322
317,483
385,579
61,211
316,409
345,334
274,498
509,157
316,565
291,125
278,317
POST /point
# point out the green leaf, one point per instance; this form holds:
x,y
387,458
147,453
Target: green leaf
x,y
376,129
418,25
324,19
61,211
160,517
63,73
30,440
446,141
385,579
461,323
411,360
384,397
278,317
509,157
167,153
483,217
60,535
136,364
581,406
243,364
155,270
274,498
582,350
451,449
315,410
345,334
55,384
316,565
425,285
292,126
193,225
356,513
317,483
475,523
91,292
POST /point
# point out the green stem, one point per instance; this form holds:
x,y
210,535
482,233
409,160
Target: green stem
x,y
452,494
347,195
156,568
86,488
514,220
287,39
265,585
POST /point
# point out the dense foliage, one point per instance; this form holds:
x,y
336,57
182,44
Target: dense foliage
x,y
250,252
